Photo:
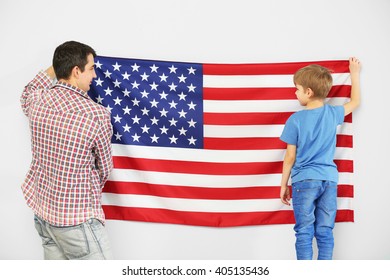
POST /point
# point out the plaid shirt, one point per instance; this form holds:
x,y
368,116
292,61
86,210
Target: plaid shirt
x,y
71,152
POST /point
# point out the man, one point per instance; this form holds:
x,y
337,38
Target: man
x,y
71,156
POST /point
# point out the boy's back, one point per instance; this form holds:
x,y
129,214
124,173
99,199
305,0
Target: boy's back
x,y
313,132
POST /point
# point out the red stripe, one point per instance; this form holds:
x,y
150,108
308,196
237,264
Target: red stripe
x,y
245,118
265,93
339,66
191,167
344,165
204,193
251,118
209,219
261,143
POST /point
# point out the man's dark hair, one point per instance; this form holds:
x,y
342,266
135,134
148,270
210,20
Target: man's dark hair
x,y
68,55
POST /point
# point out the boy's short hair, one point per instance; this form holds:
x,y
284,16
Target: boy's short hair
x,y
315,77
68,55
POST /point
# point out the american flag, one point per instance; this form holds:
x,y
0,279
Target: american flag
x,y
198,144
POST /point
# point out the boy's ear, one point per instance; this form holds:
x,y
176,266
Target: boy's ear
x,y
309,92
75,72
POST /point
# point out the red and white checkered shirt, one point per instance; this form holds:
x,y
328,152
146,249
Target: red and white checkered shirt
x,y
71,152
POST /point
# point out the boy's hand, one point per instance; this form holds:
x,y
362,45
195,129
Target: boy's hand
x,y
354,65
285,195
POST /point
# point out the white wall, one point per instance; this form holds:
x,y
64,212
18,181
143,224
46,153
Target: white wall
x,y
203,31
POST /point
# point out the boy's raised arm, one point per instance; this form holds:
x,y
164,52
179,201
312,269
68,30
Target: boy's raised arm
x,y
354,69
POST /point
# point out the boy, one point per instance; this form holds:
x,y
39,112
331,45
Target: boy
x,y
311,140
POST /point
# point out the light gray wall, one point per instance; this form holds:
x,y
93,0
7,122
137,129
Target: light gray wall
x,y
203,31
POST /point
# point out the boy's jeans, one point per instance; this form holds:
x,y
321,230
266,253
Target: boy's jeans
x,y
87,241
315,207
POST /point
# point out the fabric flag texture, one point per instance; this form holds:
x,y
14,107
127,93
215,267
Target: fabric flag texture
x,y
198,144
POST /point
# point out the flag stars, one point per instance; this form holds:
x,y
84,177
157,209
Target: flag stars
x,y
145,111
135,67
154,138
116,66
136,119
163,95
107,74
145,129
172,104
191,70
99,82
117,118
191,106
172,69
126,76
172,122
153,86
182,79
154,103
126,92
163,78
117,83
136,137
182,131
126,110
117,101
182,114
163,113
191,123
182,96
164,130
98,65
172,87
153,68
118,136
191,140
135,84
154,121
108,91
135,102
173,139
191,88
144,77
99,99
126,128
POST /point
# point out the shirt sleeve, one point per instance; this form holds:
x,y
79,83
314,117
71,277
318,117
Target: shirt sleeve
x,y
103,150
290,132
33,90
340,111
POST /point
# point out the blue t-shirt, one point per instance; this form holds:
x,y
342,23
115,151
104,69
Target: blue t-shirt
x,y
313,132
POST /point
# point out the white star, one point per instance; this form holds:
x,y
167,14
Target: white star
x,y
153,86
182,114
135,137
182,131
126,128
136,119
135,67
182,79
117,83
126,76
145,94
154,68
182,96
154,121
98,65
117,101
172,87
99,82
135,102
108,91
191,140
164,130
99,99
172,69
154,103
163,95
145,111
118,136
173,139
173,104
117,118
191,70
154,138
135,84
109,108
107,74
173,122
191,88
126,92
192,123
163,112
145,129
163,78
116,66
191,106
126,110
144,77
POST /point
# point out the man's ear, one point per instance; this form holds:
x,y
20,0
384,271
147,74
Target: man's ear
x,y
76,72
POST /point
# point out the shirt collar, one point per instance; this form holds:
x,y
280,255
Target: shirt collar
x,y
72,88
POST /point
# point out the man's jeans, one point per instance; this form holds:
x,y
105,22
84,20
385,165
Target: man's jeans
x,y
315,207
87,241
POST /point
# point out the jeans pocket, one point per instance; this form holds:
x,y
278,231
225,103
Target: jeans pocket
x,y
72,240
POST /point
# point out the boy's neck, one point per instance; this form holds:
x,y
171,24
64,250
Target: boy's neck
x,y
314,104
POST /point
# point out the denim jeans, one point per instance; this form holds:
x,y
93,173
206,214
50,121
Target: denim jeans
x,y
315,207
87,241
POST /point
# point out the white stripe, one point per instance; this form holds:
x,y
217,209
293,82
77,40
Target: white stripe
x,y
259,106
203,155
203,205
243,131
200,180
262,81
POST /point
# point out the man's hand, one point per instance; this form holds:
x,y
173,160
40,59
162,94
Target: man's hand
x,y
285,195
